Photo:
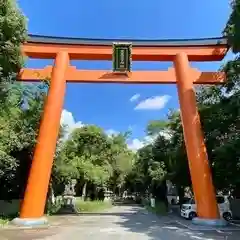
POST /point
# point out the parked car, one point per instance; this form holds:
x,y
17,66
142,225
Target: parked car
x,y
189,209
183,201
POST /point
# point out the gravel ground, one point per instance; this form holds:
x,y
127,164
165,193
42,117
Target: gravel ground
x,y
120,222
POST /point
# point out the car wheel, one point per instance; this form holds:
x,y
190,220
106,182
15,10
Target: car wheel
x,y
192,215
227,216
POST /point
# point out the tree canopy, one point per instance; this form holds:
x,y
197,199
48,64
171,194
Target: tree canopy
x,y
91,156
13,33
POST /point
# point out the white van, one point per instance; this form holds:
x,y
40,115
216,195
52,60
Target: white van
x,y
189,209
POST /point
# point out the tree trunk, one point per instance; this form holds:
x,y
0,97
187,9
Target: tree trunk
x,y
50,200
119,191
84,191
180,190
52,195
115,191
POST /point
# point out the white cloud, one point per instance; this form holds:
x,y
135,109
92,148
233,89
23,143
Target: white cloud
x,y
153,103
135,144
149,139
111,132
68,121
135,97
70,124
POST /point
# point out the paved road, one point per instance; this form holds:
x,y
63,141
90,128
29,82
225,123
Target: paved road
x,y
121,222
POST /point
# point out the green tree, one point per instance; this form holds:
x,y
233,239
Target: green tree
x,y
84,156
94,159
121,161
12,34
220,114
19,122
232,29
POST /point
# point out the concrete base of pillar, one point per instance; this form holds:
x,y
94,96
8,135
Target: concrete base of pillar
x,y
30,222
209,222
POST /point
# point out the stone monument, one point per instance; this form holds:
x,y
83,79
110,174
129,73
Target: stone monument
x,y
68,206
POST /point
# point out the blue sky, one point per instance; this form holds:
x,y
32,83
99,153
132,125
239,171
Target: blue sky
x,y
109,105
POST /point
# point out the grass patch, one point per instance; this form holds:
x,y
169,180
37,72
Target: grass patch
x,y
160,208
52,209
80,205
92,206
5,220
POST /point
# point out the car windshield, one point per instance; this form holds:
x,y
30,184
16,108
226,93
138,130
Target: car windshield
x,y
190,201
220,200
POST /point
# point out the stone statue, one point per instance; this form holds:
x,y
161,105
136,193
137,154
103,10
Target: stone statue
x,y
68,198
70,188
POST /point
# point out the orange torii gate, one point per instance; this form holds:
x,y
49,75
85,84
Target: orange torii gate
x,y
179,51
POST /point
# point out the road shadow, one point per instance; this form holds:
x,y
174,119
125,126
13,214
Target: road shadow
x,y
122,219
168,227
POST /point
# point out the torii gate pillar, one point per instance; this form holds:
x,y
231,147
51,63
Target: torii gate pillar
x,y
203,188
33,205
